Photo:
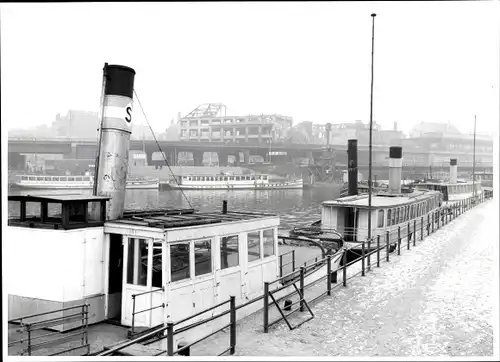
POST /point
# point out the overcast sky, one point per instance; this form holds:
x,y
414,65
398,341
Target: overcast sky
x,y
435,61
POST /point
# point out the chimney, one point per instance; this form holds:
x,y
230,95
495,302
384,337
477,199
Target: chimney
x,y
395,166
115,137
395,126
352,167
453,170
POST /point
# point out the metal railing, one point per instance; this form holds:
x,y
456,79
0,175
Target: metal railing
x,y
134,313
31,330
290,262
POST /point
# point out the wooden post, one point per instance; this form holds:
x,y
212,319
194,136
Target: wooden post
x,y
233,325
266,307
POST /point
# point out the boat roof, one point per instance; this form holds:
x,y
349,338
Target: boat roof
x,y
57,198
444,183
381,199
168,218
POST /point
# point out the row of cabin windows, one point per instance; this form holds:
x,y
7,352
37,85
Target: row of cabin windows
x,y
403,214
56,178
260,245
224,178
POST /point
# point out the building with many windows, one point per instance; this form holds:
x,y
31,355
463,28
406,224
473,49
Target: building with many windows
x,y
207,123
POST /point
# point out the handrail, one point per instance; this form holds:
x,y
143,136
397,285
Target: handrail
x,y
45,313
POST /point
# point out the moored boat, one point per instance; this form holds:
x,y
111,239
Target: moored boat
x,y
77,182
233,182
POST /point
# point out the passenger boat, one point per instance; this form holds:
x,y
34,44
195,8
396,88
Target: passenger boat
x,y
233,182
145,268
347,216
77,182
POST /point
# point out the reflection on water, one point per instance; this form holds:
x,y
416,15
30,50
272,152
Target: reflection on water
x,y
295,207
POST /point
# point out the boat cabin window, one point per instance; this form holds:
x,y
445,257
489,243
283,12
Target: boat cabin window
x,y
179,262
137,265
253,242
225,178
268,237
157,278
237,178
389,220
229,252
393,222
202,257
380,218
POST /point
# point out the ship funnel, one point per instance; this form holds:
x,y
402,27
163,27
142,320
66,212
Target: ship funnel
x,y
111,174
395,166
352,167
453,170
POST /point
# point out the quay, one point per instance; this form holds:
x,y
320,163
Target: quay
x,y
435,299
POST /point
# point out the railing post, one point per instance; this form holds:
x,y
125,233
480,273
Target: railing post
x,y
415,232
369,263
387,245
233,325
281,266
422,228
433,220
378,251
344,265
83,324
170,339
133,313
439,217
87,327
28,329
329,275
266,307
302,272
293,260
399,240
408,236
363,258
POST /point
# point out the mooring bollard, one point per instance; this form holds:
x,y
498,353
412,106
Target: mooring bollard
x,y
378,251
344,265
387,244
170,339
399,240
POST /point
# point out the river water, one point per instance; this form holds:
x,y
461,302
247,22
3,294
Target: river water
x,y
295,207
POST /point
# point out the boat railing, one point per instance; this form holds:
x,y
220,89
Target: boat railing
x,y
134,313
32,327
292,261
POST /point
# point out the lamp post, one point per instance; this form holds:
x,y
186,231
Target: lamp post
x,y
370,141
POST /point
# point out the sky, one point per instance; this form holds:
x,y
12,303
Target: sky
x,y
433,61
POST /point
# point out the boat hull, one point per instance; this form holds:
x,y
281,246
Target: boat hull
x,y
82,186
262,186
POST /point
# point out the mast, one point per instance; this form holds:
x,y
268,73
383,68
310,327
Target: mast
x,y
474,161
370,141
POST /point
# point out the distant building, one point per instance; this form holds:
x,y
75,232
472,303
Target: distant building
x,y
207,123
342,132
77,124
430,127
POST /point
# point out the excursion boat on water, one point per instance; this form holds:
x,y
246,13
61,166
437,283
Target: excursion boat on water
x,y
142,269
233,182
347,216
77,182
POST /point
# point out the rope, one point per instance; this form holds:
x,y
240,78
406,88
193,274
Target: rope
x,y
159,148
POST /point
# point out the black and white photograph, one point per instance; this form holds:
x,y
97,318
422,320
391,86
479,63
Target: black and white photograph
x,y
250,180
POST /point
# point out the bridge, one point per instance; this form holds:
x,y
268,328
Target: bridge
x,y
73,148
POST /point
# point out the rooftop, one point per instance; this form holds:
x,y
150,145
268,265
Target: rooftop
x,y
380,199
168,218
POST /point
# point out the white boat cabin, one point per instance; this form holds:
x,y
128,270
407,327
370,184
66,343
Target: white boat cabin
x,y
175,262
452,191
349,215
